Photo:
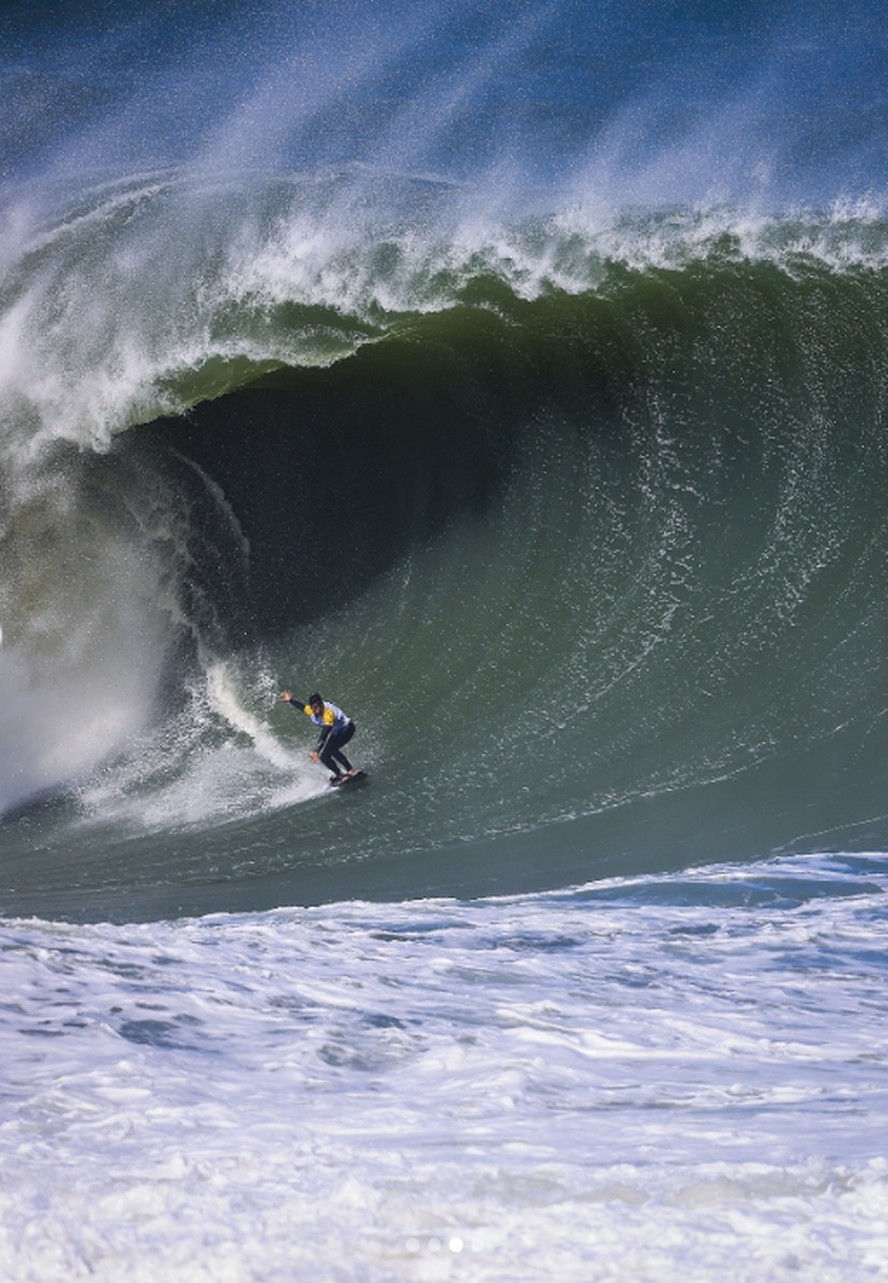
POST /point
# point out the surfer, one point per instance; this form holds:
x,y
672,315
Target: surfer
x,y
336,729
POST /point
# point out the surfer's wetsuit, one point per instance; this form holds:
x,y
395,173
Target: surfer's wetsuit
x,y
336,729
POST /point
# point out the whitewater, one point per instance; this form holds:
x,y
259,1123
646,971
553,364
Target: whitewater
x,y
630,1080
518,380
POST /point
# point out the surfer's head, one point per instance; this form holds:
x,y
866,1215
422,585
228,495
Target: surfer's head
x,y
316,704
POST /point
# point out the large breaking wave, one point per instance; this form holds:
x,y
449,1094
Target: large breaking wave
x,y
582,517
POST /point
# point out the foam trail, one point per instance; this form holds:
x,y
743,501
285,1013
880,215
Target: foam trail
x,y
222,693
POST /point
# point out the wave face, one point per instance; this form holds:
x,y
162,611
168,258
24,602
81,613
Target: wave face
x,y
555,456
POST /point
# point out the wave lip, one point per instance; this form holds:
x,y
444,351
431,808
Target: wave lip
x,y
146,297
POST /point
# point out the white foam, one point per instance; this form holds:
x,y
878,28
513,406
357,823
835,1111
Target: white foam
x,y
578,1085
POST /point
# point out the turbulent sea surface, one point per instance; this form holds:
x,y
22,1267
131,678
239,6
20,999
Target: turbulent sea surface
x,y
518,378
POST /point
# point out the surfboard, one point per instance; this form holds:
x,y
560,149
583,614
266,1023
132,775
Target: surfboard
x,y
349,781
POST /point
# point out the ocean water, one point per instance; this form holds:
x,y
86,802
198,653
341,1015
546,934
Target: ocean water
x,y
518,378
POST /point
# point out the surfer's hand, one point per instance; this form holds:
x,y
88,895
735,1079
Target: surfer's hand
x,y
314,757
286,697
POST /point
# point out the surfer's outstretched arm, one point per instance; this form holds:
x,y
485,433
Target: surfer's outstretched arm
x,y
289,698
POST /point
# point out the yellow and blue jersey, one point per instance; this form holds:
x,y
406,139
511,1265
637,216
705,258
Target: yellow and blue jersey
x,y
332,717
